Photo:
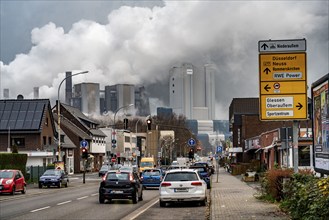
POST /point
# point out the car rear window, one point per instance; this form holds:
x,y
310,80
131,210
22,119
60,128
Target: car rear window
x,y
151,173
117,176
200,169
181,176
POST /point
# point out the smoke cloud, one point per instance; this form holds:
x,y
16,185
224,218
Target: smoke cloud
x,y
138,45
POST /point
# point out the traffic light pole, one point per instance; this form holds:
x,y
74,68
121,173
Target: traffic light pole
x,y
84,171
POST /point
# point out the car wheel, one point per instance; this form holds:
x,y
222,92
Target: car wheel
x,y
59,184
40,185
204,202
162,204
13,191
66,184
101,199
135,197
23,190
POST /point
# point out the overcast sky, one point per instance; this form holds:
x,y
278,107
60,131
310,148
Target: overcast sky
x,y
137,42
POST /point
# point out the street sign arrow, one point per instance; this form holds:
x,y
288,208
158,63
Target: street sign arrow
x,y
267,88
264,46
267,70
299,106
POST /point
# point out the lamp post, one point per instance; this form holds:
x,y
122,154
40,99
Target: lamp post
x,y
126,106
59,114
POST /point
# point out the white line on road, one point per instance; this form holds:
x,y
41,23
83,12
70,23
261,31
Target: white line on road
x,y
141,210
62,203
95,194
35,210
83,197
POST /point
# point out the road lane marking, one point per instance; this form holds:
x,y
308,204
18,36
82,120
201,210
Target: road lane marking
x,y
35,210
95,194
83,197
141,210
62,203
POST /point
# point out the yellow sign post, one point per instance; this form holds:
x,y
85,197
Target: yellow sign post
x,y
283,86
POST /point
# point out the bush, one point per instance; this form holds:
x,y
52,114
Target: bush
x,y
306,197
13,161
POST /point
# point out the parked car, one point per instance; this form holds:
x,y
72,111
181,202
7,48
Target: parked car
x,y
204,174
53,177
103,170
205,164
182,185
123,184
12,181
152,177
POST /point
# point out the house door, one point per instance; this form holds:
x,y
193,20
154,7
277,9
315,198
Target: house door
x,y
70,165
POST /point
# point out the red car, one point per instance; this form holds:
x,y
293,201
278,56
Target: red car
x,y
12,181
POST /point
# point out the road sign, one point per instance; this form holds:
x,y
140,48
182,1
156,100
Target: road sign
x,y
219,149
283,86
293,87
283,107
83,143
282,67
282,45
191,142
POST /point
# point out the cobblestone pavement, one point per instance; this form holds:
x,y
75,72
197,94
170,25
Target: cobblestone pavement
x,y
231,198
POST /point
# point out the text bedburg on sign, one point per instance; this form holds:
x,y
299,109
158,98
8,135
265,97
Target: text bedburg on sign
x,y
283,86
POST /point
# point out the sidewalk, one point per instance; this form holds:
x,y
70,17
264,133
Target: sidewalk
x,y
232,199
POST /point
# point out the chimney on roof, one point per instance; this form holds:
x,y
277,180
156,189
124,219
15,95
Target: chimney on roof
x,y
6,93
68,88
36,92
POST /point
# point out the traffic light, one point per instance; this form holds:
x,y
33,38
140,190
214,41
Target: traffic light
x,y
125,123
84,153
191,153
149,124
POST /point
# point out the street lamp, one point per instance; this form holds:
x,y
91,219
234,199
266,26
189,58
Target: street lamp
x,y
59,114
126,106
138,121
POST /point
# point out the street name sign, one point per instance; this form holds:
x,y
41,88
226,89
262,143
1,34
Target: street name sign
x,y
283,80
282,45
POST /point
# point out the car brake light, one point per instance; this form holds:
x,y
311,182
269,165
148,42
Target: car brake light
x,y
165,184
196,184
104,178
131,178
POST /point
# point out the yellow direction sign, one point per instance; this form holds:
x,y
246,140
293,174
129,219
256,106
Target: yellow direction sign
x,y
277,87
282,67
283,107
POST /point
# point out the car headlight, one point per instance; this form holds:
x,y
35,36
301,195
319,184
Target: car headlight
x,y
9,181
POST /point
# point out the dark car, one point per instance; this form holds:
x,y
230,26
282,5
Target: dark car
x,y
204,174
152,177
53,177
205,164
103,170
12,181
120,185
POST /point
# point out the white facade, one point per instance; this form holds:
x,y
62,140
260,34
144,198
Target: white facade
x,y
192,91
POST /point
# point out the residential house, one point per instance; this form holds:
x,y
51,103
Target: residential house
x,y
28,125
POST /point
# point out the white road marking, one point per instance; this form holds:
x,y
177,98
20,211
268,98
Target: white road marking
x,y
142,211
62,203
82,197
35,210
95,194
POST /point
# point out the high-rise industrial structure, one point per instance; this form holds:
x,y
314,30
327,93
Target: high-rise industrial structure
x,y
86,98
192,91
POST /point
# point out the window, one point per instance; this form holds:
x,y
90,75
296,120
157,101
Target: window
x,y
49,140
44,140
18,141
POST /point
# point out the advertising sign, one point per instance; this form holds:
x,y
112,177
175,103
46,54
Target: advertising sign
x,y
321,124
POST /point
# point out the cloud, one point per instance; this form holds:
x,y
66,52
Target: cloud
x,y
139,45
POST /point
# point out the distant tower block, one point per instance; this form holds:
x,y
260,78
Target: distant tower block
x,y
36,92
68,88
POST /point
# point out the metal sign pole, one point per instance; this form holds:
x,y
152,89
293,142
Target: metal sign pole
x,y
295,145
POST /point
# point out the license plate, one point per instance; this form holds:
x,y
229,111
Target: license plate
x,y
181,190
117,191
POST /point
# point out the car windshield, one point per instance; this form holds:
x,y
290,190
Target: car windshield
x,y
200,169
52,173
117,176
151,173
6,174
146,164
181,176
